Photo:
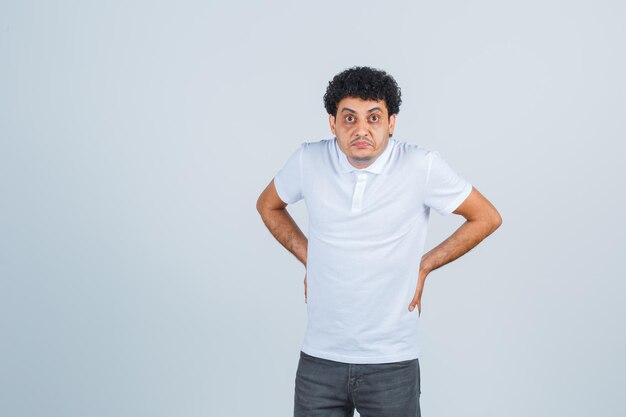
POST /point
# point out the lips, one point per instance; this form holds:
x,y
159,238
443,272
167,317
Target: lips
x,y
361,143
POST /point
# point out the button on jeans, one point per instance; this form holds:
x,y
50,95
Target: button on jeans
x,y
326,388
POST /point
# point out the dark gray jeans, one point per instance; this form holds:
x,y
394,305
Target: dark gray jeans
x,y
326,388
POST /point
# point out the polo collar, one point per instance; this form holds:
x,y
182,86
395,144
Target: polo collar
x,y
376,167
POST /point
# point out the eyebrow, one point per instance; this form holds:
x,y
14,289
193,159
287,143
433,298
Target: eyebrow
x,y
369,111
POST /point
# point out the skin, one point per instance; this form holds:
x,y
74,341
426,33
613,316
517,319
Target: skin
x,y
362,128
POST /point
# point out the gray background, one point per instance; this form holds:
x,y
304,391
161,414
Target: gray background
x,y
137,278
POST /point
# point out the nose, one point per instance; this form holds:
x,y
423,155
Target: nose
x,y
361,129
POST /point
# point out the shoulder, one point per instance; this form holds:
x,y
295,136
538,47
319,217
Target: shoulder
x,y
415,155
319,145
312,147
317,150
410,149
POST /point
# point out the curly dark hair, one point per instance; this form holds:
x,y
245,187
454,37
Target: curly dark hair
x,y
366,83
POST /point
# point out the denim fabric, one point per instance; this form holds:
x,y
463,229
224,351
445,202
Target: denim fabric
x,y
326,388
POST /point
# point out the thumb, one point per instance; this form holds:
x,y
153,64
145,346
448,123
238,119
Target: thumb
x,y
415,302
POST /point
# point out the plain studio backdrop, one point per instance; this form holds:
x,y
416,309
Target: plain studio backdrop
x,y
137,278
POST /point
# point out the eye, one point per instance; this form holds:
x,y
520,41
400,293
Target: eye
x,y
349,118
375,118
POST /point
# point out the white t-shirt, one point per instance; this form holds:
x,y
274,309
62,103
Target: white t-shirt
x,y
367,229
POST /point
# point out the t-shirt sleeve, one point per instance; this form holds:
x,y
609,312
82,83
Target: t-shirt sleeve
x,y
445,188
288,180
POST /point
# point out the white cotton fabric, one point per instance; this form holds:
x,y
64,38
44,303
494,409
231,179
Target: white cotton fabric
x,y
367,229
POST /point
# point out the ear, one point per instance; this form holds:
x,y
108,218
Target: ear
x,y
331,121
392,123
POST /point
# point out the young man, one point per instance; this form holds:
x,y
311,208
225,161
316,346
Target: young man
x,y
368,199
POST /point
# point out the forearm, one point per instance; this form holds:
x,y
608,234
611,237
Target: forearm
x,y
470,234
286,231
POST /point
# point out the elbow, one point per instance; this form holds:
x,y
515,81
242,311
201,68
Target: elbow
x,y
496,221
491,220
259,205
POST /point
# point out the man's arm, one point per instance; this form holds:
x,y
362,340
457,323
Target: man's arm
x,y
482,220
280,223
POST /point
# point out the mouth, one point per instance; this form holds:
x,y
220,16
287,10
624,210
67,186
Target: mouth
x,y
361,144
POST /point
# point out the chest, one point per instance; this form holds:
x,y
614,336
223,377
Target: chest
x,y
363,205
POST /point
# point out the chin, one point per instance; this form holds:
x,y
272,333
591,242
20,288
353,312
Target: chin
x,y
363,153
362,157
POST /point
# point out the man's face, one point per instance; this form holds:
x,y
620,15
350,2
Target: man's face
x,y
362,128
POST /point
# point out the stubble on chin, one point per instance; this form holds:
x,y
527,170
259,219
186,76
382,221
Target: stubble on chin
x,y
362,160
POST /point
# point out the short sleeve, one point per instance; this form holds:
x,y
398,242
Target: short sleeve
x,y
288,180
445,188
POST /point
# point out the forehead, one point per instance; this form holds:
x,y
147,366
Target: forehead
x,y
359,105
